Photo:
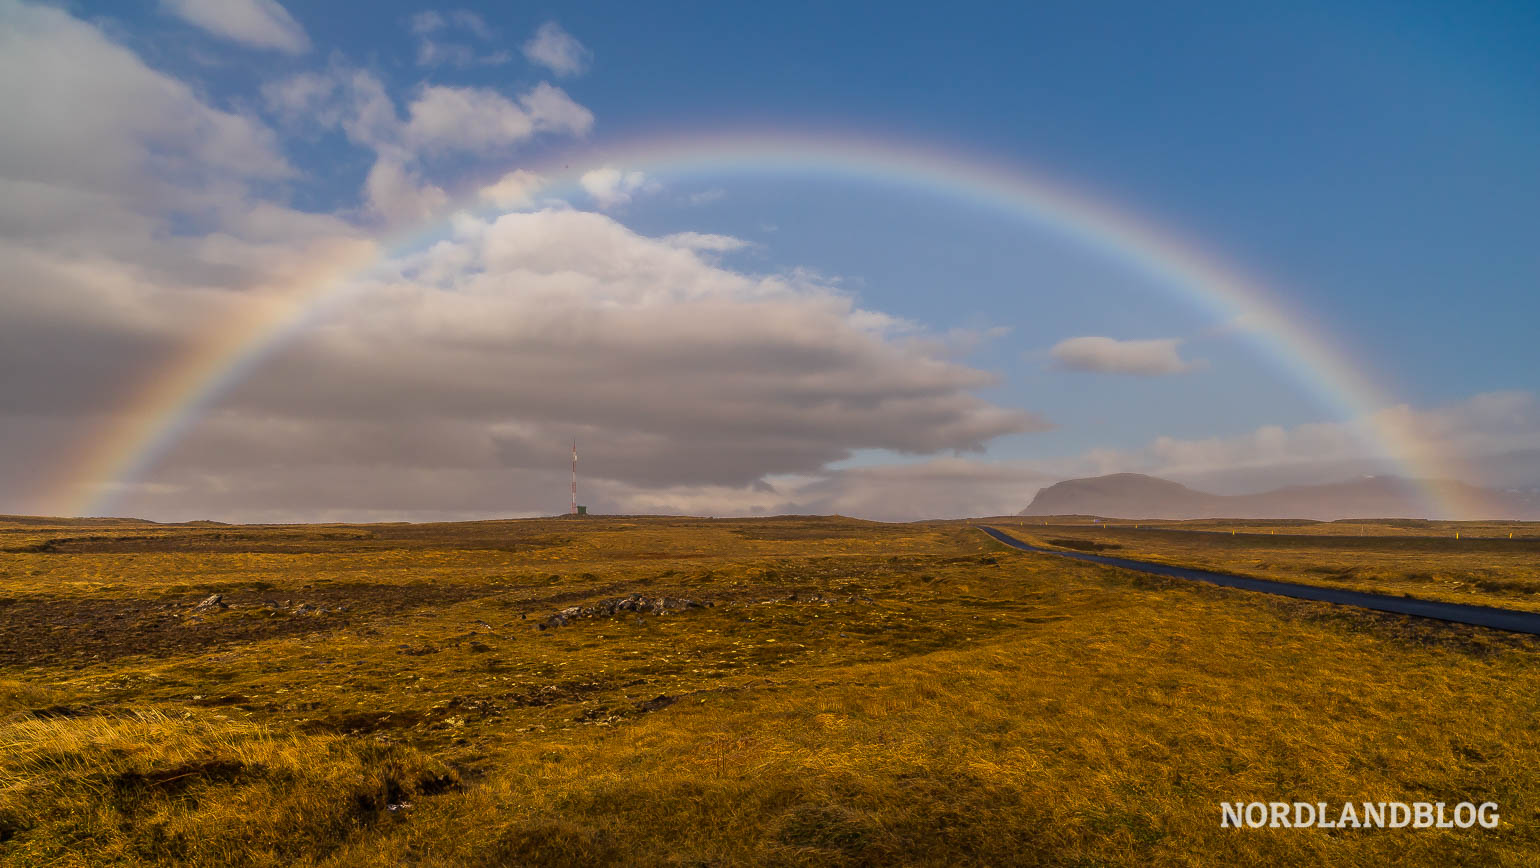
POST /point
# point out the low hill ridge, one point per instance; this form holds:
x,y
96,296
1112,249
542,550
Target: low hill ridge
x,y
1135,495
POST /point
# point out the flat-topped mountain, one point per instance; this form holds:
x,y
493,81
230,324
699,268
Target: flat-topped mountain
x,y
1134,495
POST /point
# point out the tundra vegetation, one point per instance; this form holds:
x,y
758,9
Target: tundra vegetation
x,y
1477,563
770,691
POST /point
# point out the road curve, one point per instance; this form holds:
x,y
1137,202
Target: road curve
x,y
1459,613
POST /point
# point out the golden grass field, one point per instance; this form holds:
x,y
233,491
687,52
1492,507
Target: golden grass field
x,y
1488,564
845,692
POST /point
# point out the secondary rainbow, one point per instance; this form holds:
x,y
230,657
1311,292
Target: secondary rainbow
x,y
154,416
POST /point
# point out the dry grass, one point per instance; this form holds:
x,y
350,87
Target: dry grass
x,y
855,693
1482,566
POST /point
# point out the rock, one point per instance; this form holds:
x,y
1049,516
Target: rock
x,y
634,603
663,701
213,602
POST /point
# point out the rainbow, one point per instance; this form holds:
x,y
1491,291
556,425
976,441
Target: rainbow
x,y
153,417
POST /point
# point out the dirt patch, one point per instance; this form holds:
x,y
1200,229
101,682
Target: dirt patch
x,y
39,629
287,541
177,778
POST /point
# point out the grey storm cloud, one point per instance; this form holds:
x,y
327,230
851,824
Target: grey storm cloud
x,y
668,368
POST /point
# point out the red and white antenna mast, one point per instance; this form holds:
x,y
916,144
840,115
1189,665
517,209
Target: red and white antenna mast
x,y
574,476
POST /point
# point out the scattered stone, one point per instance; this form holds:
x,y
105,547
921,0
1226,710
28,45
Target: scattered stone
x,y
637,603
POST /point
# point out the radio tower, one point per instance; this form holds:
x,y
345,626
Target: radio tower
x,y
574,476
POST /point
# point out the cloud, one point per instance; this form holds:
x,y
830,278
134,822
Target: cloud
x,y
556,50
480,120
440,121
432,50
1488,430
98,118
1239,324
1111,356
514,189
431,21
900,491
110,148
461,371
399,194
611,187
706,197
254,23
706,243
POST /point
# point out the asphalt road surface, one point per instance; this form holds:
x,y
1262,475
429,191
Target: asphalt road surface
x,y
1481,616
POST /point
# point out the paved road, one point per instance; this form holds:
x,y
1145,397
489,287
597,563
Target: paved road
x,y
1481,616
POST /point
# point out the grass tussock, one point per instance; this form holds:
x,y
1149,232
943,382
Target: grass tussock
x,y
149,787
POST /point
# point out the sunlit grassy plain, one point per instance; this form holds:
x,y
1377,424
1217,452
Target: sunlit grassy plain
x,y
856,693
1487,564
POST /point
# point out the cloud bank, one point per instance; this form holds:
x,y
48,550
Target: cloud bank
x,y
1147,358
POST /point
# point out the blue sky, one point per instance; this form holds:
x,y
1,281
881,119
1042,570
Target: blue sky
x,y
1373,163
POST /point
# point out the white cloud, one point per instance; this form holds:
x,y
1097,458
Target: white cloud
x,y
706,243
255,23
426,22
555,112
439,118
1112,356
706,197
302,97
611,187
1483,431
103,148
97,118
440,121
431,21
432,50
398,194
481,120
557,50
515,189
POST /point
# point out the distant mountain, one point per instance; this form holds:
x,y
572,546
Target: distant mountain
x,y
1134,495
